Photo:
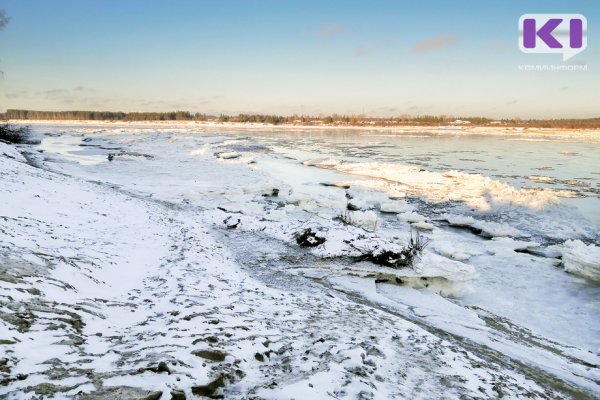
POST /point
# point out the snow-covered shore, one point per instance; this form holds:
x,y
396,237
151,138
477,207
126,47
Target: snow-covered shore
x,y
120,284
539,133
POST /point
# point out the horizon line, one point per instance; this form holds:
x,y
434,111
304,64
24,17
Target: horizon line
x,y
334,115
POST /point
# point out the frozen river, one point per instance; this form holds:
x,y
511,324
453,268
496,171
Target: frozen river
x,y
513,265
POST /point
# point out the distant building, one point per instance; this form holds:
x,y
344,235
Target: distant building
x,y
460,122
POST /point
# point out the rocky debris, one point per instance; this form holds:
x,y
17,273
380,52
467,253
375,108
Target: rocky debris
x,y
274,193
121,393
34,291
210,388
46,390
231,223
365,395
177,395
259,357
335,184
4,365
228,211
22,320
75,321
309,238
159,369
352,207
111,156
208,339
163,367
211,355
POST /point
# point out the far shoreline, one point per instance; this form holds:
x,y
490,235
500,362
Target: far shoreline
x,y
443,129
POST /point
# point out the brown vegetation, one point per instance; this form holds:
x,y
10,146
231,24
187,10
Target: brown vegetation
x,y
303,120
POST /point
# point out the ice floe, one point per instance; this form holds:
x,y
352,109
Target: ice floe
x,y
581,259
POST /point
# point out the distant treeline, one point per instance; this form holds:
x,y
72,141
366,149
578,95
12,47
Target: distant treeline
x,y
103,115
334,119
339,119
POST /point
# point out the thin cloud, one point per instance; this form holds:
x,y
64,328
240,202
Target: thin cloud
x,y
178,105
4,19
385,110
97,105
438,42
419,108
82,89
16,95
153,102
54,92
330,31
66,92
210,100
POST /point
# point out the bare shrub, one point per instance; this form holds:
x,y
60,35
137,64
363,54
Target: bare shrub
x,y
309,238
367,220
397,258
15,135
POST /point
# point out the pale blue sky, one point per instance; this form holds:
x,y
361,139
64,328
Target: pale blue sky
x,y
382,58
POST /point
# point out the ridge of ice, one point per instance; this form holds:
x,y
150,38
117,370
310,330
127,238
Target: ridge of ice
x,y
477,191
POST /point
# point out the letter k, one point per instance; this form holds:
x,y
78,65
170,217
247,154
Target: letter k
x,y
544,33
